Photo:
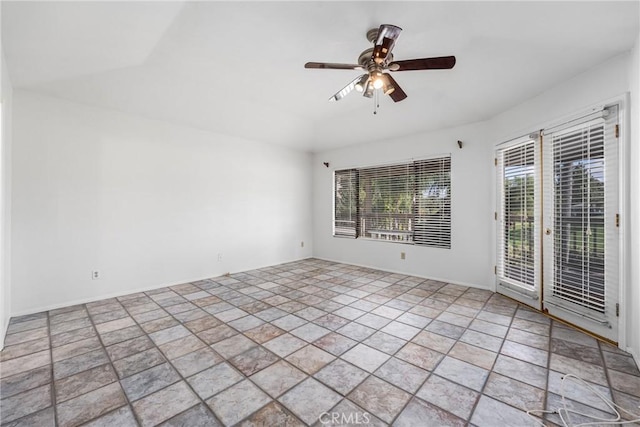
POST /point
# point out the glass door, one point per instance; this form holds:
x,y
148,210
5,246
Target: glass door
x,y
580,223
518,220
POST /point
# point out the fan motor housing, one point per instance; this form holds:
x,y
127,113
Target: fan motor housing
x,y
365,57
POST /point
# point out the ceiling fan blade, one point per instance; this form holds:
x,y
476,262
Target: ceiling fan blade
x,y
332,66
346,90
397,94
387,36
440,63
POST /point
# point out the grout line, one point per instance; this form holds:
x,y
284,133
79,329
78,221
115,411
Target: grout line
x,y
53,386
51,379
104,349
467,420
545,405
606,371
481,391
168,361
225,360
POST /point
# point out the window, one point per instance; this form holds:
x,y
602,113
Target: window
x,y
432,208
386,202
406,202
346,206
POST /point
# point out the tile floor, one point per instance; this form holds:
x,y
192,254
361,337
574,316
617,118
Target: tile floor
x,y
309,342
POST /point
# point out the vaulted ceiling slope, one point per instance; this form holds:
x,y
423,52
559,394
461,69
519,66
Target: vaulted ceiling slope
x,y
237,67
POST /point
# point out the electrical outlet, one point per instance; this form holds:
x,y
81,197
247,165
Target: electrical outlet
x,y
302,244
219,257
402,255
95,275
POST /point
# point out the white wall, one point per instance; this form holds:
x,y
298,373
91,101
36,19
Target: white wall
x,y
468,261
632,305
6,95
146,203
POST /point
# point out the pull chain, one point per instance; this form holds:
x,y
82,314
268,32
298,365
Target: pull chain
x,y
376,101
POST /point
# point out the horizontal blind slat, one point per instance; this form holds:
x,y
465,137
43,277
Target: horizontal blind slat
x,y
579,206
345,203
386,198
432,208
518,180
390,205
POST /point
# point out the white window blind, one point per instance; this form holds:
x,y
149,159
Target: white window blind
x,y
406,202
345,203
579,214
386,202
432,208
517,226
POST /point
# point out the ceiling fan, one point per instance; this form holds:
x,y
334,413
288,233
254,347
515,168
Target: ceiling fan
x,y
378,59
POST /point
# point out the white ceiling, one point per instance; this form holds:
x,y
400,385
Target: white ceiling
x,y
237,67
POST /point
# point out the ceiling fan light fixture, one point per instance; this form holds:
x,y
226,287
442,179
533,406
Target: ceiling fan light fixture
x,y
378,79
368,89
381,53
376,61
387,36
387,85
387,31
360,86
